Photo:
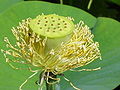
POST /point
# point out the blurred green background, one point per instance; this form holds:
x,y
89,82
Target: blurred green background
x,y
98,8
102,17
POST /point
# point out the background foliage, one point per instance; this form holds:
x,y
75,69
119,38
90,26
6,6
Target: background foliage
x,y
99,8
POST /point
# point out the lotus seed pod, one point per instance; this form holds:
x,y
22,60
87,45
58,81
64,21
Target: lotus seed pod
x,y
52,25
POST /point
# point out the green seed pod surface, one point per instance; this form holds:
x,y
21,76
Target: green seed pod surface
x,y
52,25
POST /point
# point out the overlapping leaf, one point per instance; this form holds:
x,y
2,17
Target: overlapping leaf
x,y
5,4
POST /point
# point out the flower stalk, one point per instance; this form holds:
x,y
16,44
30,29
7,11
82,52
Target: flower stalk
x,y
51,86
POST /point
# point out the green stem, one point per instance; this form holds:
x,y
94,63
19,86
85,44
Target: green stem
x,y
61,1
51,86
89,4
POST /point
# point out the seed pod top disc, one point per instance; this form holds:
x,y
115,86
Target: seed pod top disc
x,y
52,25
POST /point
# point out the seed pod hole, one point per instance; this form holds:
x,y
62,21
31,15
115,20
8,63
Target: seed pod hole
x,y
65,26
46,21
58,18
45,17
47,30
51,24
60,29
53,20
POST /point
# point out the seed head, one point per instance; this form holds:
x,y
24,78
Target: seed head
x,y
52,25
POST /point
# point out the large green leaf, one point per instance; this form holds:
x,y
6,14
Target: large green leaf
x,y
106,32
5,4
103,28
